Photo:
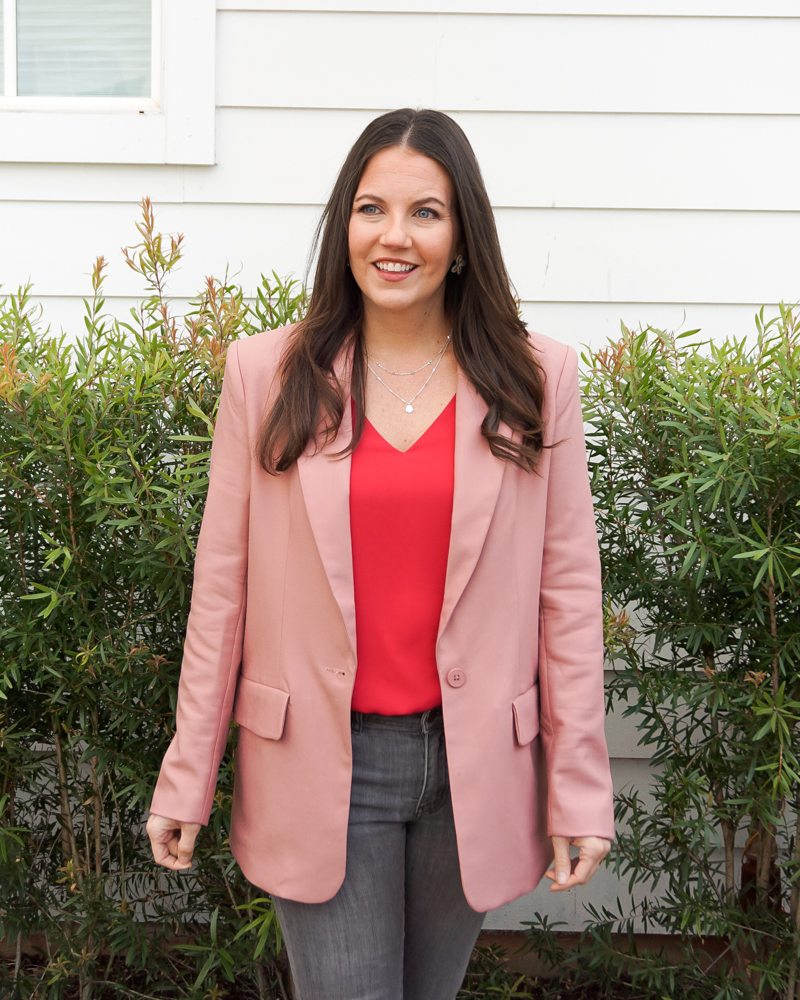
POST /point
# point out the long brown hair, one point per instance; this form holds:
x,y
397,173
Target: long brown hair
x,y
489,339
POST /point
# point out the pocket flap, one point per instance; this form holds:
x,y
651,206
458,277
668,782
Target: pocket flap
x,y
526,715
260,708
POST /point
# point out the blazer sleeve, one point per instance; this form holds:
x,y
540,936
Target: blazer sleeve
x,y
580,793
213,646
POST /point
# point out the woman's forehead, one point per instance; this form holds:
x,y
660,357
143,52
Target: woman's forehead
x,y
404,170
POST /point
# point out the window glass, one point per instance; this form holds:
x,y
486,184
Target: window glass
x,y
83,48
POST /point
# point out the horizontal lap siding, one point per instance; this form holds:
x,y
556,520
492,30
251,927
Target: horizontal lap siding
x,y
532,160
605,8
511,63
642,164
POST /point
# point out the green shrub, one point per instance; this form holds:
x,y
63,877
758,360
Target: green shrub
x,y
104,447
695,457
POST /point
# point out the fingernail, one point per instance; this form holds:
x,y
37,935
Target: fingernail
x,y
562,878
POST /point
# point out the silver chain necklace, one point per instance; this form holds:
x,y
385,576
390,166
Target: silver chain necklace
x,y
389,371
408,402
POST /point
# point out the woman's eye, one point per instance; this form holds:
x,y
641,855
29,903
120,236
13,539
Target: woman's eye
x,y
431,214
369,209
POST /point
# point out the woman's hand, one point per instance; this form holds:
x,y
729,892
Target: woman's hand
x,y
172,841
567,872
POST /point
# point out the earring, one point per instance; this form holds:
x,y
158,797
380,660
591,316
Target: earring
x,y
458,264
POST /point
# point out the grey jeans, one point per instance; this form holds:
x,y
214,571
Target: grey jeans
x,y
399,928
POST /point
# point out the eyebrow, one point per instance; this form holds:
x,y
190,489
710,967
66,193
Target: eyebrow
x,y
420,201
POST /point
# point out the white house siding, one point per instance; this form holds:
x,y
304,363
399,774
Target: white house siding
x,y
641,158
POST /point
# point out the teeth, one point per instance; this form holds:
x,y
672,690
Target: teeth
x,y
390,265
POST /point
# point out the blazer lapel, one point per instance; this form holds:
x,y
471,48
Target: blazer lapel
x,y
326,490
478,475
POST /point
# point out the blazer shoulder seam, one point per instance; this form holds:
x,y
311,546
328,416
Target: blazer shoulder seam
x,y
569,354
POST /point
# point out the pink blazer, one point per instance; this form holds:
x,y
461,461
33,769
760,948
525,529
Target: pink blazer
x,y
271,639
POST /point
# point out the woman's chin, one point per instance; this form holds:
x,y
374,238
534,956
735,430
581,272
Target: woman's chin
x,y
395,298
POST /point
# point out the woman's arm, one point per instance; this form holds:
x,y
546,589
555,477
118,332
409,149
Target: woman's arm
x,y
580,794
213,647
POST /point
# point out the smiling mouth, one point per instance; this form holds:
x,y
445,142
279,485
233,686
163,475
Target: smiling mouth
x,y
391,265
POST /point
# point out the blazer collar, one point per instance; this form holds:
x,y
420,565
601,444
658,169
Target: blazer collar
x,y
325,482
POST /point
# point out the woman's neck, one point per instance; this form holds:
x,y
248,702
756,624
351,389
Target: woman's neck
x,y
398,339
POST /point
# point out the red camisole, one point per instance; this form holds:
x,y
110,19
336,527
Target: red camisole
x,y
401,506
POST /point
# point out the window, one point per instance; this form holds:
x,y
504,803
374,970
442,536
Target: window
x,y
107,81
85,48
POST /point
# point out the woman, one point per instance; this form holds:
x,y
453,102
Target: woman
x,y
400,482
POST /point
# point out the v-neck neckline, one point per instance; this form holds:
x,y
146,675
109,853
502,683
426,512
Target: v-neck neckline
x,y
414,444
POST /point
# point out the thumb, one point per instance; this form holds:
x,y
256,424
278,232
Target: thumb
x,y
188,836
562,864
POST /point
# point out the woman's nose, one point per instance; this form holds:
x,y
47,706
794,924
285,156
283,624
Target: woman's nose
x,y
395,234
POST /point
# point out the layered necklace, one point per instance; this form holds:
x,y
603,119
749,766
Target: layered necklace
x,y
435,361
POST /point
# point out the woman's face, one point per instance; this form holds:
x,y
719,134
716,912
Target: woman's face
x,y
403,233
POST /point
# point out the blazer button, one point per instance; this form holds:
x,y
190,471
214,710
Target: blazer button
x,y
456,677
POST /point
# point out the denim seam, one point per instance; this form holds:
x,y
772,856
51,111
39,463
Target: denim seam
x,y
418,807
432,808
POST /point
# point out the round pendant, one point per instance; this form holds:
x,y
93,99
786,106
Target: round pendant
x,y
409,408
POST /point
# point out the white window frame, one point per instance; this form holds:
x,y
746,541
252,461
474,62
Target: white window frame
x,y
174,125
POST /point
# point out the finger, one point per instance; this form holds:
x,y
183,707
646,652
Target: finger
x,y
585,868
595,847
592,852
568,882
158,837
165,850
163,834
160,850
168,861
189,833
560,871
